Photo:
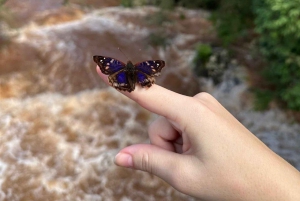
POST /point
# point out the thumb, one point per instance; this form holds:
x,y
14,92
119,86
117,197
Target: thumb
x,y
152,159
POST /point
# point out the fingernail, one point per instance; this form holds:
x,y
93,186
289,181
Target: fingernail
x,y
124,159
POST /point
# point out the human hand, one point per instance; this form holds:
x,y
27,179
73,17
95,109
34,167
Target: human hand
x,y
200,149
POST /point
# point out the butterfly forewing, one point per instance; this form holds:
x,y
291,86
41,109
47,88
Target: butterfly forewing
x,y
151,67
108,65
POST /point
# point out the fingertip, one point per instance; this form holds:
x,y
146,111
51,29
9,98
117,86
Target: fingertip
x,y
124,159
101,75
99,72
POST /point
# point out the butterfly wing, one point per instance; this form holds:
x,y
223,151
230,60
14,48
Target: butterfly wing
x,y
116,70
108,65
147,70
119,80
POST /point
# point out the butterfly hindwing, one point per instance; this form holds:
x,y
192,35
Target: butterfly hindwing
x,y
144,79
120,81
108,65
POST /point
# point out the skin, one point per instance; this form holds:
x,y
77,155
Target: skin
x,y
200,149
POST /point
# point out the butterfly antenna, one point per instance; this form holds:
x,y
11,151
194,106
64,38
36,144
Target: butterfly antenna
x,y
123,53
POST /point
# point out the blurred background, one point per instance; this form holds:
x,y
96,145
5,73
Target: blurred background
x,y
61,126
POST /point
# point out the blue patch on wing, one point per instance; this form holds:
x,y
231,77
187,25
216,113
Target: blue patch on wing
x,y
121,77
145,67
151,67
108,65
141,77
113,65
144,79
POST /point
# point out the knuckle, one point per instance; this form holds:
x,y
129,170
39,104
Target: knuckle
x,y
145,162
204,96
207,102
152,127
197,104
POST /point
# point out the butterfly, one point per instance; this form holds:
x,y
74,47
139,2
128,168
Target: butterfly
x,y
124,76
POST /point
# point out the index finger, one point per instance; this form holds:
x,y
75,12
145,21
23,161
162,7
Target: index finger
x,y
157,99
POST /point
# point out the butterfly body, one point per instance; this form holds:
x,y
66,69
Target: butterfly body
x,y
125,76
